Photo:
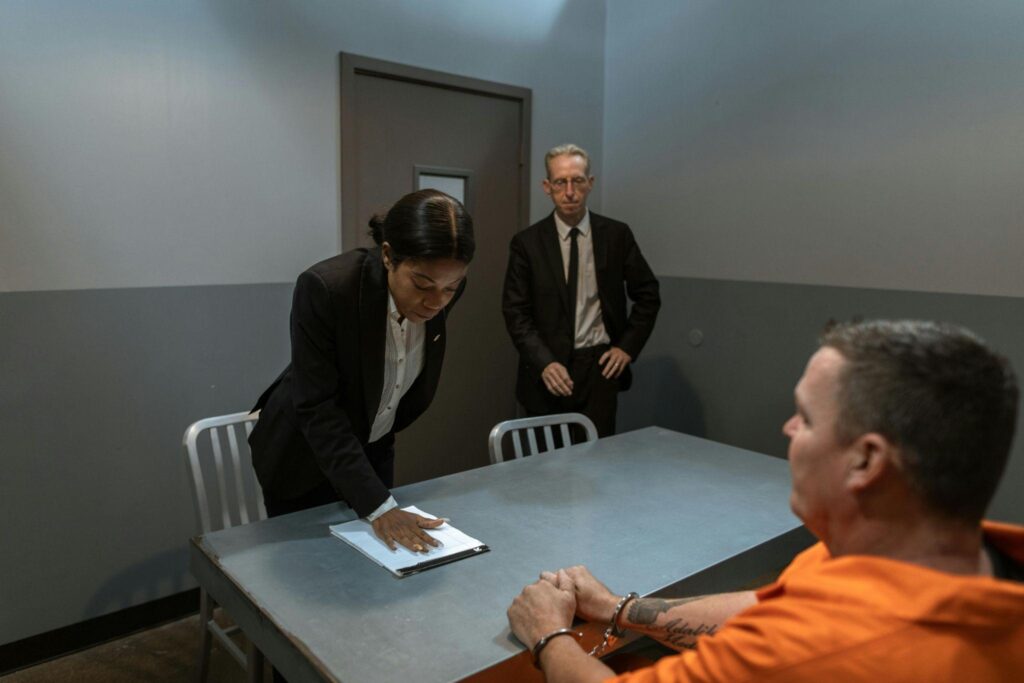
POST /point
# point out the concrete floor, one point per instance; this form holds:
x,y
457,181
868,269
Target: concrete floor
x,y
166,654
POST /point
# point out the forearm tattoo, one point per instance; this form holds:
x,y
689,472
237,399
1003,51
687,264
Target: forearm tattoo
x,y
677,633
645,611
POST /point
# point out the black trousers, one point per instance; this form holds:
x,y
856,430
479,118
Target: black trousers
x,y
592,394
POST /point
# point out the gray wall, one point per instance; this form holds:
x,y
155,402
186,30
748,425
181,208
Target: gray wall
x,y
151,144
868,154
166,170
865,144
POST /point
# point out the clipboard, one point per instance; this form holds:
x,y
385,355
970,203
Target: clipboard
x,y
455,546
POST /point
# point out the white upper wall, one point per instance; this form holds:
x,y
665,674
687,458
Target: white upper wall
x,y
148,143
868,144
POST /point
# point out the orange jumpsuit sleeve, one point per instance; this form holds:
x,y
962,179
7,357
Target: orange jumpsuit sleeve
x,y
742,650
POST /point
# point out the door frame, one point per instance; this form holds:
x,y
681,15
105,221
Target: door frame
x,y
356,65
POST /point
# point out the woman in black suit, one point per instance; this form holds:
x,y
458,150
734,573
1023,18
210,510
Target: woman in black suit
x,y
367,338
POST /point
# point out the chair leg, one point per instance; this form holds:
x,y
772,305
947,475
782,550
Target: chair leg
x,y
254,665
205,637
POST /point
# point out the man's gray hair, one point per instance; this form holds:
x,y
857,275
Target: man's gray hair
x,y
568,149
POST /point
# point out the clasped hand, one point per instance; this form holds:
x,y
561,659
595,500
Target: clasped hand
x,y
406,528
550,603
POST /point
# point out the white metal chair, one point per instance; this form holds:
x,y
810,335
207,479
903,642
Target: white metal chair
x,y
226,494
534,427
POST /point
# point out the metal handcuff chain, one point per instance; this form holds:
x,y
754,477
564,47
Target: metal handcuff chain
x,y
612,629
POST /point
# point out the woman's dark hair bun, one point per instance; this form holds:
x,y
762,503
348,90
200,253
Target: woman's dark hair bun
x,y
426,224
377,228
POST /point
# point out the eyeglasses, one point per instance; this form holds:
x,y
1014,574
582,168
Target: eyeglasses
x,y
560,184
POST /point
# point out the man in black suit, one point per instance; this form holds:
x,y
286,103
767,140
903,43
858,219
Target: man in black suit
x,y
565,300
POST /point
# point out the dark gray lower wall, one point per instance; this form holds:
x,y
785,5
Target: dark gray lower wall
x,y
736,386
98,386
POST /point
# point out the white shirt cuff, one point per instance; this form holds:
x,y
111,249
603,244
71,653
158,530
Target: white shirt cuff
x,y
389,504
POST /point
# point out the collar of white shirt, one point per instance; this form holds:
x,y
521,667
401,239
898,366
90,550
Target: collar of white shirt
x,y
564,228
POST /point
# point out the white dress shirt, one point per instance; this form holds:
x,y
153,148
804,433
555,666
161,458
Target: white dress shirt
x,y
589,325
403,362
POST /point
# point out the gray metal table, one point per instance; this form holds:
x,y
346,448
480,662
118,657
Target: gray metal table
x,y
652,511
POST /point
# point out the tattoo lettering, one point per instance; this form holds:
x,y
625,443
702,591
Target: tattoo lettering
x,y
681,634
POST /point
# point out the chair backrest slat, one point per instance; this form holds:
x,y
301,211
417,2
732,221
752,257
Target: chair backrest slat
x,y
531,438
228,476
236,465
199,490
218,461
530,425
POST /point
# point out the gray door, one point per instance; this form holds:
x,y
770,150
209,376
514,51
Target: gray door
x,y
405,128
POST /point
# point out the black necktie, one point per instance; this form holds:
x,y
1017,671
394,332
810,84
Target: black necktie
x,y
573,281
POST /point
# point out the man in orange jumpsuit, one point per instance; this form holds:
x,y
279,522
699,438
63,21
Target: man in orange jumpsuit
x,y
900,437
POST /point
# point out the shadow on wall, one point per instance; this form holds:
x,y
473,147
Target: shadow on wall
x,y
661,395
156,577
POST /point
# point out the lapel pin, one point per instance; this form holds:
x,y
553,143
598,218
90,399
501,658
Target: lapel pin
x,y
437,337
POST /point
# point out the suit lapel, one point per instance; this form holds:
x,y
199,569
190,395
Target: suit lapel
x,y
373,311
599,238
433,342
553,255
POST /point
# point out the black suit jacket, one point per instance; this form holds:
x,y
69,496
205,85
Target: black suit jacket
x,y
317,415
536,302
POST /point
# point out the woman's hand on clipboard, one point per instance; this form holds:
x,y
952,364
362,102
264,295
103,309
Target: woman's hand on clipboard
x,y
407,529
